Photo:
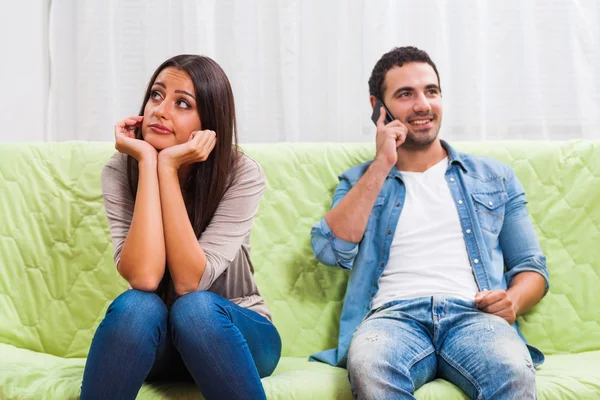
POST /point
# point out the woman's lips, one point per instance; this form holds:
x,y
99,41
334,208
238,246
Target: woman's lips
x,y
161,130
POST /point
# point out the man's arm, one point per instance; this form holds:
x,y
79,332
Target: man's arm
x,y
348,220
525,291
526,270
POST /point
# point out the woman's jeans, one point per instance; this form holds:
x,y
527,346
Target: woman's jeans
x,y
224,348
407,343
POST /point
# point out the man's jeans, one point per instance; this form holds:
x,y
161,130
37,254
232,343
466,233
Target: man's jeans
x,y
407,343
225,348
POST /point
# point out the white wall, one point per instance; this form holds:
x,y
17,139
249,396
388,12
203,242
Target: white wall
x,y
511,69
24,70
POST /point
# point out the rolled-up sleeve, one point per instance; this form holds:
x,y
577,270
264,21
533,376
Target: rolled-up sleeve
x,y
518,240
327,248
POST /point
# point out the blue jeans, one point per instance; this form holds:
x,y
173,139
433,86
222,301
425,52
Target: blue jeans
x,y
407,343
224,348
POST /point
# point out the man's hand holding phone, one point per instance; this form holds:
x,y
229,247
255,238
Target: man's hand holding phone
x,y
389,137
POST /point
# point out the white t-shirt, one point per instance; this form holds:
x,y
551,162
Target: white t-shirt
x,y
428,255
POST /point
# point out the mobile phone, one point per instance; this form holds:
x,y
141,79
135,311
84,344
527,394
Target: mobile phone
x,y
377,112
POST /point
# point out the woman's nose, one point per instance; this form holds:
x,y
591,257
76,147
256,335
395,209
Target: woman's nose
x,y
160,111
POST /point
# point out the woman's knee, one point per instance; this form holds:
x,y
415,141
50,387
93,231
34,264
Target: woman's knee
x,y
199,317
135,313
200,306
137,303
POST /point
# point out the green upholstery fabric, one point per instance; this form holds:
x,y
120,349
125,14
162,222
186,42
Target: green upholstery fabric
x,y
57,275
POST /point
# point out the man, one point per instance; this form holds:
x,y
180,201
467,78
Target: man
x,y
443,254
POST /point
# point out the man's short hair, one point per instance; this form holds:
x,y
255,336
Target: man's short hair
x,y
397,57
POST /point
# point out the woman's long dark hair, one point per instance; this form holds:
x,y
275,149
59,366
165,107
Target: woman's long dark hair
x,y
209,180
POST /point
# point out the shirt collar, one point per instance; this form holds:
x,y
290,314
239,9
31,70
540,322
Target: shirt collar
x,y
454,157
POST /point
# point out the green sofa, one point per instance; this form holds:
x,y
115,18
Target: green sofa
x,y
57,274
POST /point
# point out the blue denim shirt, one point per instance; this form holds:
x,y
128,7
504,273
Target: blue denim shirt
x,y
491,206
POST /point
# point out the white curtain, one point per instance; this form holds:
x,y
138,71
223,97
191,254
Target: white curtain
x,y
512,69
24,70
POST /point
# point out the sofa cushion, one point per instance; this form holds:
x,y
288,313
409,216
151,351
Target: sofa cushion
x,y
26,374
57,275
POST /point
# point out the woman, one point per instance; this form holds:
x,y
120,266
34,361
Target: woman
x,y
180,200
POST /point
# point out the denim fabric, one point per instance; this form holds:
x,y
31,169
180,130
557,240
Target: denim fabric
x,y
499,236
224,348
407,343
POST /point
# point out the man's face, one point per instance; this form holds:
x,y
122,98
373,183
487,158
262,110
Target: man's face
x,y
414,98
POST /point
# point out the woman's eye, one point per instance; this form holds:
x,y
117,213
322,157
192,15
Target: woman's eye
x,y
155,95
183,104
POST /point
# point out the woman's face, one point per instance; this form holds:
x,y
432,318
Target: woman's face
x,y
170,115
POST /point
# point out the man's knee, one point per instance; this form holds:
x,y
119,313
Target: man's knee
x,y
363,372
490,376
515,372
362,362
372,374
515,379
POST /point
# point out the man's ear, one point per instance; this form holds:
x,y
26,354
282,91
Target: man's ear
x,y
372,99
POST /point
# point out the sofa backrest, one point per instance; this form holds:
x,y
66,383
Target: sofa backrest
x,y
57,275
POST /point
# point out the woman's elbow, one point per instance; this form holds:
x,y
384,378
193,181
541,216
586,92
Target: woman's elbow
x,y
144,284
183,289
142,280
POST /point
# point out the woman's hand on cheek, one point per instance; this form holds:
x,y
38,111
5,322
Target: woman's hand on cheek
x,y
197,149
127,143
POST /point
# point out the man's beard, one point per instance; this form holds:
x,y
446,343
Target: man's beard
x,y
419,141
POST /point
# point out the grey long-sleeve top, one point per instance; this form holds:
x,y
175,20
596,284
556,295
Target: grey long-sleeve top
x,y
225,241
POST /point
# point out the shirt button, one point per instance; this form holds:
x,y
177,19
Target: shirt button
x,y
460,202
397,204
451,179
476,261
468,231
382,265
389,231
490,203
